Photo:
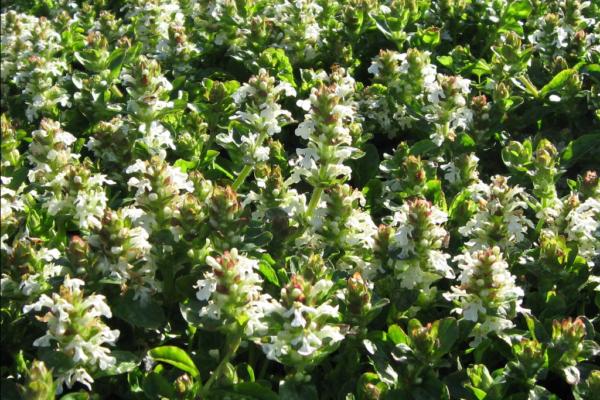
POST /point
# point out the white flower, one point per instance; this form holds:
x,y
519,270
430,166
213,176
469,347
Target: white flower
x,y
232,284
583,227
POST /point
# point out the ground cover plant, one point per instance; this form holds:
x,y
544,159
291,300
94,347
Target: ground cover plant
x,y
276,199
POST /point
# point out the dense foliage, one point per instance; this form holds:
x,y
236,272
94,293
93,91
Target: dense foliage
x,y
277,199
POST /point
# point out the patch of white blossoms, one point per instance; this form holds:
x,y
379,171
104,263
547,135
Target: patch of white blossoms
x,y
418,242
447,108
329,125
261,115
487,293
301,328
340,221
229,287
124,252
75,329
583,228
500,219
70,187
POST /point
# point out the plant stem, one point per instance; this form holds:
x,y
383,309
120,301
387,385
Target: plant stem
x,y
248,167
529,86
242,177
233,343
314,200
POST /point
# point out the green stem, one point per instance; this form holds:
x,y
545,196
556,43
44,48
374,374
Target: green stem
x,y
232,345
242,177
529,86
314,200
248,167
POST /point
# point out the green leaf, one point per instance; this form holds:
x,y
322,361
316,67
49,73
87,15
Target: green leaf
x,y
431,36
253,390
291,390
397,335
447,335
579,148
557,82
366,167
541,393
185,165
278,64
480,394
156,386
422,147
268,272
519,9
466,143
446,61
176,357
149,315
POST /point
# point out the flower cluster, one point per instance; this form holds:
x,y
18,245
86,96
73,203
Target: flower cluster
x,y
418,241
125,252
300,199
487,293
500,218
75,329
232,285
302,327
330,127
261,118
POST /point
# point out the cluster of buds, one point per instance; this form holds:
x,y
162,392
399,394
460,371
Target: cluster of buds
x,y
10,157
148,90
96,87
230,287
31,266
158,187
70,187
153,22
39,384
13,199
500,219
274,193
583,228
406,76
29,60
405,175
12,205
79,193
569,346
331,128
530,361
447,107
562,32
509,57
545,172
417,244
418,92
50,151
340,221
261,116
124,252
75,325
481,123
300,22
356,297
462,172
111,143
225,218
301,329
487,293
